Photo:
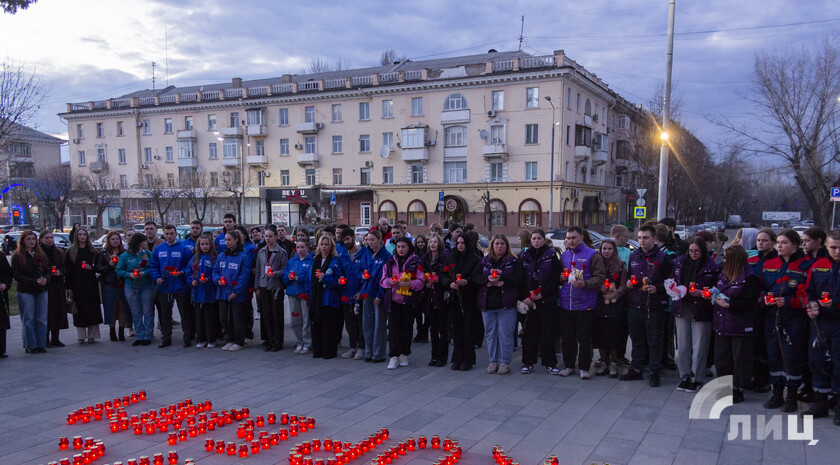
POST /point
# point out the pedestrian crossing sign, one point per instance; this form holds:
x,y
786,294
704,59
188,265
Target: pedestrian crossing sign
x,y
639,212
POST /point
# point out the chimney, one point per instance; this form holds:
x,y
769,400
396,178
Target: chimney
x,y
237,82
287,78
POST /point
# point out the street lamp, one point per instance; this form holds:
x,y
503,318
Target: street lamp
x,y
551,181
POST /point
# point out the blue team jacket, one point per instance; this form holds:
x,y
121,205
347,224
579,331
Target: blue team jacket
x,y
353,272
204,292
373,264
167,257
302,268
236,269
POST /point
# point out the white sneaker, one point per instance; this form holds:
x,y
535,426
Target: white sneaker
x,y
306,350
360,354
298,348
403,360
201,345
349,354
565,372
393,363
131,332
584,374
227,346
234,347
211,345
248,341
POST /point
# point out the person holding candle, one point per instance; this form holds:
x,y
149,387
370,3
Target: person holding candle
x,y
434,303
133,267
56,298
374,315
231,273
170,260
32,275
498,277
402,280
786,322
697,271
296,280
113,295
82,287
461,263
269,269
352,259
325,299
760,246
542,276
200,279
610,325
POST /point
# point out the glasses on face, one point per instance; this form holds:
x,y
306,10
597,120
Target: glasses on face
x,y
693,251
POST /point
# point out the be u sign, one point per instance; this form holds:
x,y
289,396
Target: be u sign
x,y
639,212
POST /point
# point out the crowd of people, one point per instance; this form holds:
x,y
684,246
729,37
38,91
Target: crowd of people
x,y
764,309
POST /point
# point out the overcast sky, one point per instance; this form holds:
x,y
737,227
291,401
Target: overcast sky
x,y
95,49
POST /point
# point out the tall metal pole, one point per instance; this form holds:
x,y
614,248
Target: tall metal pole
x,y
833,211
662,205
551,182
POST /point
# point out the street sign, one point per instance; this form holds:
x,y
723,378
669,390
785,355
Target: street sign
x,y
451,205
440,196
641,192
640,202
332,198
835,194
639,212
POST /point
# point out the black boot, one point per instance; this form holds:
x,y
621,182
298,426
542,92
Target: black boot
x,y
113,334
819,408
791,401
121,334
837,412
777,400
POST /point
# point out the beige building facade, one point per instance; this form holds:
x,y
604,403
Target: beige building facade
x,y
353,146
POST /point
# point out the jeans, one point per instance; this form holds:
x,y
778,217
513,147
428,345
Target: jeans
x,y
374,325
693,339
142,305
33,315
646,328
299,321
499,327
111,296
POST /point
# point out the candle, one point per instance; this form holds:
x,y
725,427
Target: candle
x,y
769,299
606,284
135,272
825,299
173,457
394,278
255,447
421,442
566,272
158,459
270,273
220,447
366,275
222,281
342,280
692,286
633,280
114,425
84,265
494,273
63,443
114,259
272,418
174,272
706,292
243,451
291,275
54,269
435,442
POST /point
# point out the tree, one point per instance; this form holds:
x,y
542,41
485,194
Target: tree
x,y
162,192
390,56
12,6
102,190
230,182
318,65
199,192
21,96
794,99
55,188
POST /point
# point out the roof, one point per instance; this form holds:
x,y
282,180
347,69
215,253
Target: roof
x,y
20,131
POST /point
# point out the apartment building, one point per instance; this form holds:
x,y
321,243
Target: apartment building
x,y
464,139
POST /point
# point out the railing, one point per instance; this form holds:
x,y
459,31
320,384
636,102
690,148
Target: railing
x,y
334,83
191,97
281,88
120,103
503,65
167,99
362,81
255,91
309,85
210,95
79,106
536,62
414,75
146,101
233,92
100,104
388,77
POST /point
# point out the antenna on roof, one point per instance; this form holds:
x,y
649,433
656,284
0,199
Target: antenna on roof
x,y
153,75
166,53
521,30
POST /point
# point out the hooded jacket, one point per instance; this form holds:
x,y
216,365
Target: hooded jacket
x,y
741,318
301,267
205,291
167,258
373,265
235,267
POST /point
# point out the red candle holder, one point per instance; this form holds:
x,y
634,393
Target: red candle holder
x,y
606,284
824,298
182,435
114,259
209,445
255,447
231,448
142,394
135,272
54,269
435,442
769,299
366,274
220,447
173,457
274,438
692,286
706,293
494,273
138,429
566,272
293,430
63,443
131,462
458,277
394,278
84,264
114,425
272,418
157,459
447,444
270,273
243,451
342,280
144,460
421,442
222,281
291,275
633,280
260,421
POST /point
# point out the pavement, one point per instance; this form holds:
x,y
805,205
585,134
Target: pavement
x,y
599,421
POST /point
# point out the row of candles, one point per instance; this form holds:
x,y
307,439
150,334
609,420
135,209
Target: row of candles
x,y
157,459
501,457
108,409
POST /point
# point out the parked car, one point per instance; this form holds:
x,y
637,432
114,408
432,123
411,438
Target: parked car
x,y
359,233
10,241
62,240
774,225
99,243
681,231
800,229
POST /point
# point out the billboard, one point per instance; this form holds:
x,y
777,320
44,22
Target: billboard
x,y
780,216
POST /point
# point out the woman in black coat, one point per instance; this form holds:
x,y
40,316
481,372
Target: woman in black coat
x,y
56,300
80,281
462,260
5,324
434,305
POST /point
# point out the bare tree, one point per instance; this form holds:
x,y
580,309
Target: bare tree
x,y
230,182
199,192
319,65
21,95
56,188
390,56
162,192
794,99
102,190
12,6
657,101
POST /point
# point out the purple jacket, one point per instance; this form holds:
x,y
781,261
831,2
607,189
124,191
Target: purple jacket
x,y
510,274
742,316
707,277
592,264
656,266
542,270
619,307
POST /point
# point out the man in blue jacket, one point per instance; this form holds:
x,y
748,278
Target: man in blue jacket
x,y
230,224
196,228
170,260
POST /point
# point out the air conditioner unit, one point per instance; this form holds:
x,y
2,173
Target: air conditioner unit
x,y
298,146
75,141
144,166
267,174
157,157
368,164
595,117
491,113
429,142
139,124
319,125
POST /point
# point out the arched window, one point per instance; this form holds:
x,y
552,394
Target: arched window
x,y
529,214
454,102
416,214
388,210
497,213
455,136
587,108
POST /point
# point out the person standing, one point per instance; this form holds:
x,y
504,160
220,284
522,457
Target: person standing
x,y
150,231
170,261
814,243
133,267
621,235
200,279
112,286
191,241
82,287
421,248
578,301
284,242
32,275
610,326
229,222
296,281
434,301
351,262
56,295
270,266
232,273
761,246
402,279
374,316
462,263
325,298
542,278
6,277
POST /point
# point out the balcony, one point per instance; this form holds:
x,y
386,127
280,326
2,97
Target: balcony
x,y
582,152
415,154
587,121
455,116
187,162
309,128
257,130
307,158
98,166
494,151
599,157
257,160
622,162
232,161
187,134
231,132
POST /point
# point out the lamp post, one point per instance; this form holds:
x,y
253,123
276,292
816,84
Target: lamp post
x,y
551,181
661,204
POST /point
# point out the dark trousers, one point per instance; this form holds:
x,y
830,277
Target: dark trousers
x,y
423,325
439,326
400,328
235,320
164,305
668,339
824,356
734,356
646,328
761,367
249,306
353,325
272,319
206,321
325,320
576,330
787,350
463,350
539,337
3,342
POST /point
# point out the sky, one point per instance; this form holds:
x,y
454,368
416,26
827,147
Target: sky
x,y
95,49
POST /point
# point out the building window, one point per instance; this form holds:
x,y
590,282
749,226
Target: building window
x,y
149,178
121,156
100,155
170,154
120,128
454,102
309,144
80,131
364,111
284,117
261,178
566,172
147,127
147,154
587,108
388,211
364,176
454,172
167,126
260,148
123,181
337,176
214,151
388,140
230,148
532,97
569,98
284,147
583,136
387,109
214,179
568,134
336,113
336,144
498,100
211,122
497,134
364,213
532,133
188,123
412,138
310,176
284,177
417,174
529,214
309,114
254,117
497,213
417,106
497,172
619,180
455,136
387,175
170,179
364,143
416,214
577,103
530,171
100,129
234,119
